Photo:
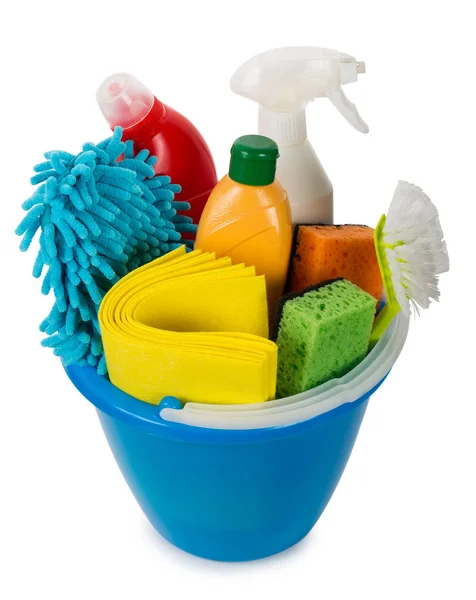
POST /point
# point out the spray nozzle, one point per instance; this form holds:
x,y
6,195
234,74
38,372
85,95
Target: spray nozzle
x,y
284,80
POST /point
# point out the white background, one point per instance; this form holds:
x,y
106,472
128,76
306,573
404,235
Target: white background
x,y
401,523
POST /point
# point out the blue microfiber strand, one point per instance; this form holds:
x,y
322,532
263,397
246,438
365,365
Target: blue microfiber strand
x,y
98,219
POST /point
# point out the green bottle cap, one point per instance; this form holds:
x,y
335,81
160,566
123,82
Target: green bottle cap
x,y
253,160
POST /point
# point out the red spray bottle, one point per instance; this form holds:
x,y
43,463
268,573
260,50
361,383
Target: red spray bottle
x,y
181,150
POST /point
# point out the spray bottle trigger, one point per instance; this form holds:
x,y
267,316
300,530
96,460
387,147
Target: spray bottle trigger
x,y
347,109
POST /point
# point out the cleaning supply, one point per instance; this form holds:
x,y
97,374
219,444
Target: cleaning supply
x,y
181,150
323,333
229,484
247,216
411,252
98,219
283,81
322,252
192,326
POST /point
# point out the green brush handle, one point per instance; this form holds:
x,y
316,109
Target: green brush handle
x,y
392,308
383,320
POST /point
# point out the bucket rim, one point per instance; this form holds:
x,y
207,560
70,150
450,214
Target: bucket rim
x,y
123,410
245,422
307,405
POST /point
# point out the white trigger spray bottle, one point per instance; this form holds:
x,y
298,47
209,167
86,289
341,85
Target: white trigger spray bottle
x,y
283,81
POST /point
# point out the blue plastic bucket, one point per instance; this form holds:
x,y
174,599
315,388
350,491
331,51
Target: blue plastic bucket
x,y
233,494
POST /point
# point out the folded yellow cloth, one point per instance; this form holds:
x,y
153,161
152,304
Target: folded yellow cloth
x,y
191,326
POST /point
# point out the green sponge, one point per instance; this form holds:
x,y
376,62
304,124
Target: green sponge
x,y
323,333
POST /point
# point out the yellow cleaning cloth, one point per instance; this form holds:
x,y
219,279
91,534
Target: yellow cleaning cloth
x,y
191,326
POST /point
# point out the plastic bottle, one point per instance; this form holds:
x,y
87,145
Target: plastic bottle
x,y
181,150
283,81
248,216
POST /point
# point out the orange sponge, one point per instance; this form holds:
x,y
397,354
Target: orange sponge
x,y
323,252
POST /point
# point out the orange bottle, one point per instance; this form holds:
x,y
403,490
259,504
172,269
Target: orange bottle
x,y
248,216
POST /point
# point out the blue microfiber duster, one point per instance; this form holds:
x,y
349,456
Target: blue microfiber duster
x,y
99,218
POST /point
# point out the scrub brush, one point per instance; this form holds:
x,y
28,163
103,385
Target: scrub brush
x,y
100,214
411,253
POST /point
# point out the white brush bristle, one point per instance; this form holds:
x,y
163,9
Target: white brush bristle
x,y
420,254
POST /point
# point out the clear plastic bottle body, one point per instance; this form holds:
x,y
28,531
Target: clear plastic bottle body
x,y
309,189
